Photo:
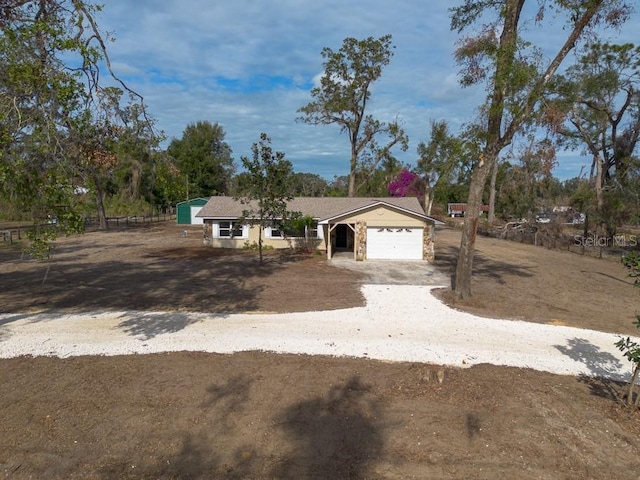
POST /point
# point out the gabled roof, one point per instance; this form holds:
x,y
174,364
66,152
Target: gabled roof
x,y
206,199
323,209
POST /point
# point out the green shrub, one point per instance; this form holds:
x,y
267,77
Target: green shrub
x,y
254,246
629,347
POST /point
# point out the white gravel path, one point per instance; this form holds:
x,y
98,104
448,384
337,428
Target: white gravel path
x,y
398,323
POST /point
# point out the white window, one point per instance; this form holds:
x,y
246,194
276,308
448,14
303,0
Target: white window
x,y
313,231
230,229
302,231
273,232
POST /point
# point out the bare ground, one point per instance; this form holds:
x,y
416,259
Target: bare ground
x,y
515,280
260,415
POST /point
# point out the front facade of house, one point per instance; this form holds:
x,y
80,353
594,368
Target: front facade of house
x,y
369,228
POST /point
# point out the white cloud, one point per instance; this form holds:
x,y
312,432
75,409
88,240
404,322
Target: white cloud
x,y
249,65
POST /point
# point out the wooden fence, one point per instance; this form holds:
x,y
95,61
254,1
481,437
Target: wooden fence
x,y
565,237
12,234
92,223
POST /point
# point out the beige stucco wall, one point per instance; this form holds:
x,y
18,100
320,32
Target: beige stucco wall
x,y
313,243
383,217
378,217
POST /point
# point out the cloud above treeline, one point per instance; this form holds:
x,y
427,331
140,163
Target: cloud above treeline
x,y
249,66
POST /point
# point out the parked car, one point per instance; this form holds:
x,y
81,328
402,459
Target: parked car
x,y
578,219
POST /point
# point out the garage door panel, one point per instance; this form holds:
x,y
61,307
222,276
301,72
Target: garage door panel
x,y
394,243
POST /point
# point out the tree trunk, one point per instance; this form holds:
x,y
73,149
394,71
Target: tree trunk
x,y
102,214
632,386
260,240
596,179
352,183
496,139
492,194
352,170
464,267
494,143
598,183
428,202
135,181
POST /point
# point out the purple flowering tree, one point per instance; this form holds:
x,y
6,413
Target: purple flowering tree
x,y
407,184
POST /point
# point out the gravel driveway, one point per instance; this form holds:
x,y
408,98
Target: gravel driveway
x,y
398,323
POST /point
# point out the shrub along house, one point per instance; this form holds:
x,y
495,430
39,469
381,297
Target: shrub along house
x,y
370,228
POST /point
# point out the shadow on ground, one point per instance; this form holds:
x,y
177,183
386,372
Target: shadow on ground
x,y
336,436
447,257
147,325
604,376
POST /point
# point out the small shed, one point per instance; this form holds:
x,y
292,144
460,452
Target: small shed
x,y
186,211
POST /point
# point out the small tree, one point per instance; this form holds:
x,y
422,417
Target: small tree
x,y
342,98
440,159
266,187
631,348
299,225
526,184
204,159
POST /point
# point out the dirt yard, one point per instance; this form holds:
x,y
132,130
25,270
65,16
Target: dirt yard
x,y
257,415
514,280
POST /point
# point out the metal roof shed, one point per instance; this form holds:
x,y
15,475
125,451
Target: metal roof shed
x,y
186,211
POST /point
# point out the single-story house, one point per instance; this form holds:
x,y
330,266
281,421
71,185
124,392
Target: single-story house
x,y
186,211
370,228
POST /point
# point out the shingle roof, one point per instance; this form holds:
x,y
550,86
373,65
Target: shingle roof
x,y
320,208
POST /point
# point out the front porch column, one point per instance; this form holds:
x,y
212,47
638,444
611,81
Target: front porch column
x,y
330,229
207,236
428,243
360,240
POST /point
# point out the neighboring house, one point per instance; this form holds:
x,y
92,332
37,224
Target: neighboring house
x,y
186,211
370,228
458,209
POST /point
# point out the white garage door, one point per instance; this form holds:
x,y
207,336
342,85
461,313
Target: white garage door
x,y
194,211
394,243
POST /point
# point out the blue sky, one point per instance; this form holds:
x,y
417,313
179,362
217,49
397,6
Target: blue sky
x,y
249,65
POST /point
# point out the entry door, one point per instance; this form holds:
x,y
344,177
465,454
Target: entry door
x,y
342,232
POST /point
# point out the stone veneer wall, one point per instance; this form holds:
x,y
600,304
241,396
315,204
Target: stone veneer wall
x,y
208,233
428,245
361,240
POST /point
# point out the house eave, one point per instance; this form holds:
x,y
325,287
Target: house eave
x,y
328,220
206,199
